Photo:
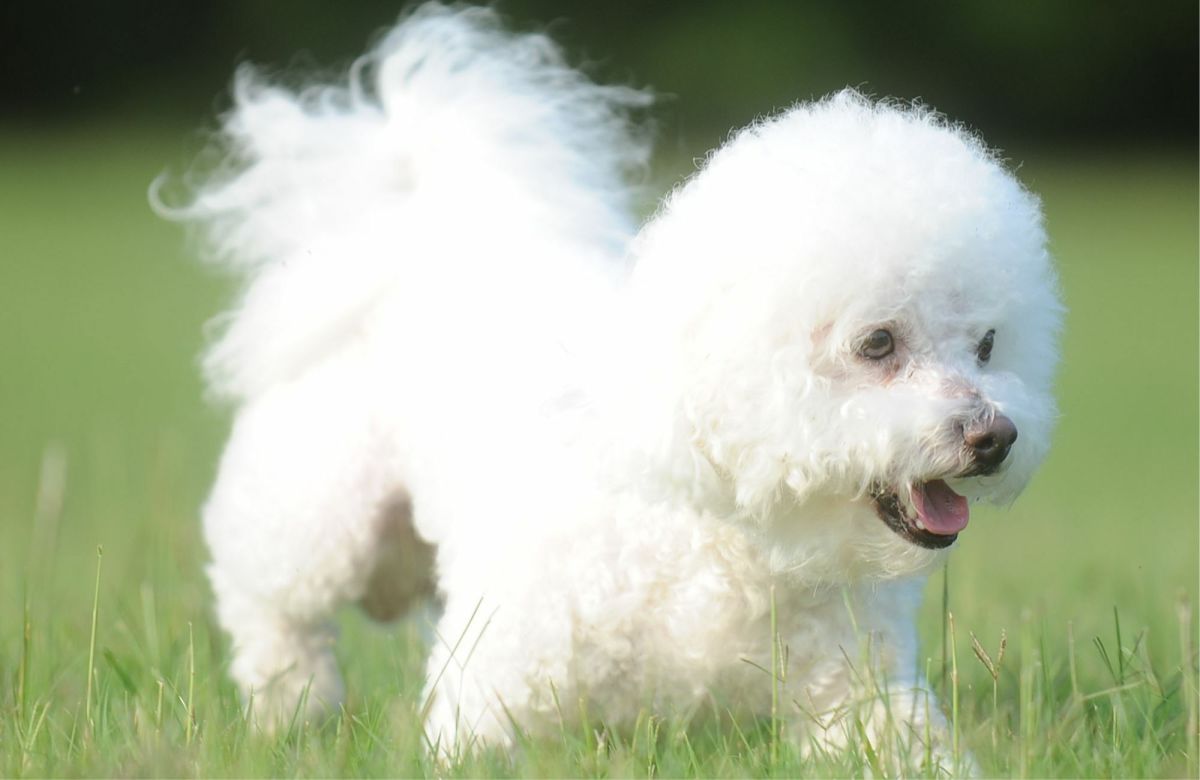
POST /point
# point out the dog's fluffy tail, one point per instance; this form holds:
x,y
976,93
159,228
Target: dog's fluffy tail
x,y
448,130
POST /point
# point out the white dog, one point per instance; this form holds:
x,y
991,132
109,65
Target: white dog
x,y
617,457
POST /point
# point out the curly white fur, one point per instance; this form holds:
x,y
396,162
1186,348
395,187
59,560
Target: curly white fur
x,y
613,448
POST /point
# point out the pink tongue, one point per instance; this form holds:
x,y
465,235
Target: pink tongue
x,y
942,511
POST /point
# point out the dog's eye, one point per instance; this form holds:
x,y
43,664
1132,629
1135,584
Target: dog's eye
x,y
984,350
878,345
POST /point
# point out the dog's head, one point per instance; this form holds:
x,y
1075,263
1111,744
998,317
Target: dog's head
x,y
855,320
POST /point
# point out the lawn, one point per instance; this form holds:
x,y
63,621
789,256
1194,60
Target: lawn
x,y
105,442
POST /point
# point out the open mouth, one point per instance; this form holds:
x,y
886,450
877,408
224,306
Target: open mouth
x,y
931,517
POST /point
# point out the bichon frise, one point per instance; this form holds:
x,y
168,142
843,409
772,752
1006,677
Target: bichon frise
x,y
616,457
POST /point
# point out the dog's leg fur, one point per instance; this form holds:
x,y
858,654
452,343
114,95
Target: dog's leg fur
x,y
284,665
301,520
473,686
867,685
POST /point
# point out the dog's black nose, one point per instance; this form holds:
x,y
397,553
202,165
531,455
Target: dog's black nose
x,y
989,444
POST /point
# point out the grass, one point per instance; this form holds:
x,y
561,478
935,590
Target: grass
x,y
110,663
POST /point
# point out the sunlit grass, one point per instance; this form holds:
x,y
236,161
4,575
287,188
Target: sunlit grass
x,y
104,441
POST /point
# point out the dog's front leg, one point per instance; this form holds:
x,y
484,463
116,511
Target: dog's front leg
x,y
866,691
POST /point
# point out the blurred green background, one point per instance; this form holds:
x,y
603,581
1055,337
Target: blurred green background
x,y
102,305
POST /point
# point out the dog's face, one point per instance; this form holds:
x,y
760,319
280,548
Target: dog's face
x,y
862,321
928,393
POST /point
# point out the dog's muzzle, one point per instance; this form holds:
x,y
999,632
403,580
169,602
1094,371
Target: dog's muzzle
x,y
933,514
